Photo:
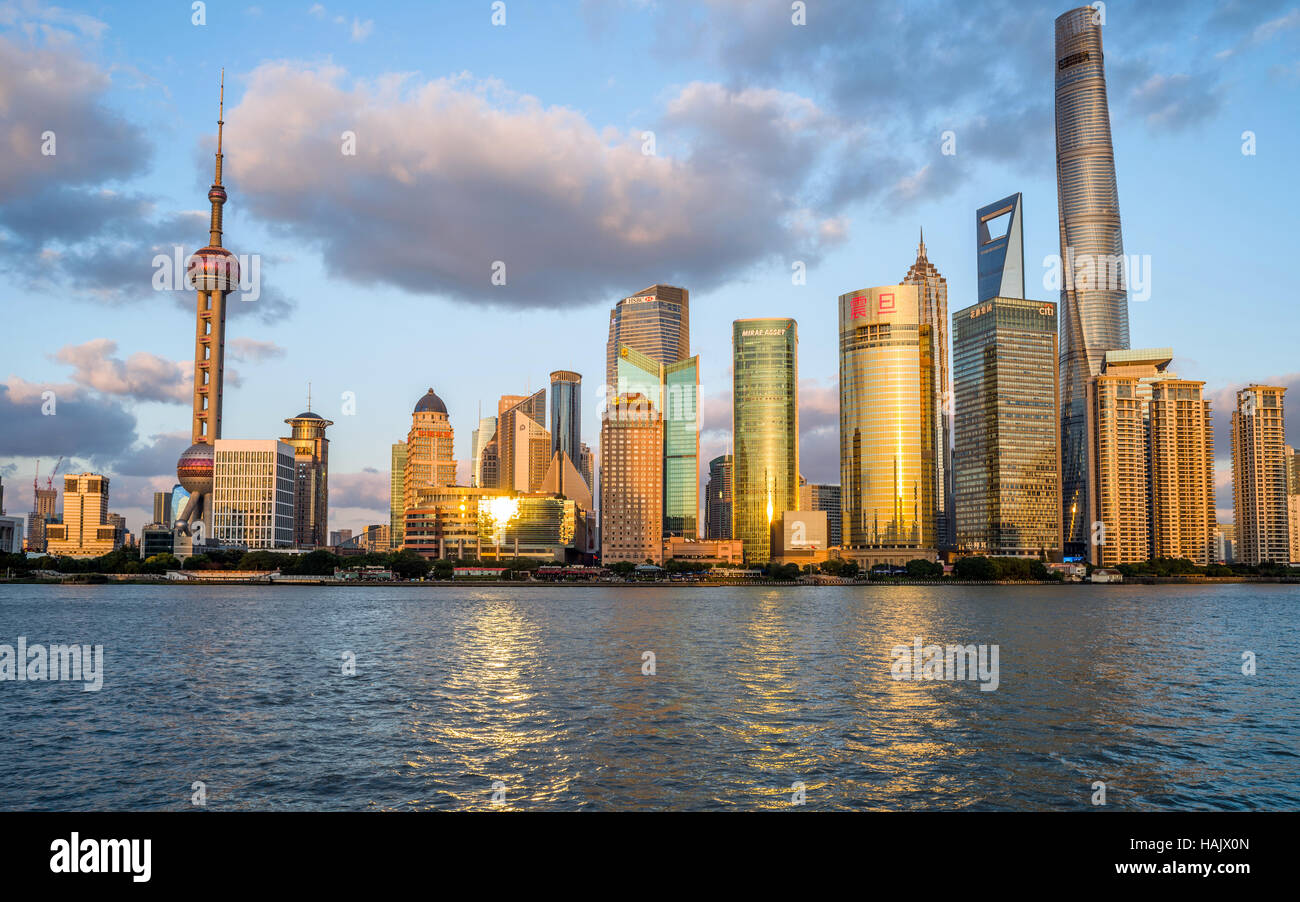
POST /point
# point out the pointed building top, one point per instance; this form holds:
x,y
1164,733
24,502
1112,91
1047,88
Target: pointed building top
x,y
921,252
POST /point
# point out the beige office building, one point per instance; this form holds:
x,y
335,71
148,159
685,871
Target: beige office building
x,y
1259,475
631,481
1182,472
429,456
86,530
655,321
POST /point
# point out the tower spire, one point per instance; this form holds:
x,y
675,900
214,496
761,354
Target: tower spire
x,y
922,253
217,194
309,397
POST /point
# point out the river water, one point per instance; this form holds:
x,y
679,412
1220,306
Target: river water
x,y
762,697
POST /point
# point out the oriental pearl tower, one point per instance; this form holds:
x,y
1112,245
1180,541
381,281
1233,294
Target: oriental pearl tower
x,y
214,272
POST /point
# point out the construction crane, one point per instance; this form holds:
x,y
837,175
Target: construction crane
x,y
49,480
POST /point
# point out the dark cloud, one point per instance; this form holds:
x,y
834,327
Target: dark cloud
x,y
82,424
68,226
157,458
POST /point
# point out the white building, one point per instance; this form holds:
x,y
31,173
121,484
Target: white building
x,y
252,493
11,535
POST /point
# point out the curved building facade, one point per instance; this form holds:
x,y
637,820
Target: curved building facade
x,y
765,428
1094,297
888,478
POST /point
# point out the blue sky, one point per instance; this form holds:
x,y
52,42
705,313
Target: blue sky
x,y
524,142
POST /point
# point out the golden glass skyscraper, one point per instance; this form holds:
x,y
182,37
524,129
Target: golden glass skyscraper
x,y
887,436
765,428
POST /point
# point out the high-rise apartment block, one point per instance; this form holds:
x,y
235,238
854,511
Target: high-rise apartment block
x,y
1259,476
1151,455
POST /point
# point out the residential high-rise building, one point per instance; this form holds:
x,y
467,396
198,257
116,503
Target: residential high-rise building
x,y
397,494
214,271
631,481
523,444
1293,501
311,498
765,429
483,435
887,434
1151,452
655,321
717,499
1007,464
824,497
85,530
1181,436
673,390
252,495
1094,297
429,454
162,508
934,313
1259,475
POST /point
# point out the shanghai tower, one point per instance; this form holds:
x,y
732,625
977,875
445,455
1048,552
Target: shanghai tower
x,y
1094,297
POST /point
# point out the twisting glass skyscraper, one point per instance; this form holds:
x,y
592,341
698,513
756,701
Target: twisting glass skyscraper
x,y
1093,310
765,425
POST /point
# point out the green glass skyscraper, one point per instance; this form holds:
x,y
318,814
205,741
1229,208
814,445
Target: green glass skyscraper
x,y
765,428
674,391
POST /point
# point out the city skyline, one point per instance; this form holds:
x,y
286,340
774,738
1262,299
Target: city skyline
x,y
115,369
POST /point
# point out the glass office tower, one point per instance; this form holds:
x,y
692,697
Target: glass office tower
x,y
1008,466
887,436
1093,311
655,321
673,390
765,428
566,414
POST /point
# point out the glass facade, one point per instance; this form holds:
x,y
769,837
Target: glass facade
x,y
1093,313
765,428
887,436
566,414
717,502
673,390
934,313
397,495
655,321
1007,485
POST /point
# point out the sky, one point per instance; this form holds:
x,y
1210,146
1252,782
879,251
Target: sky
x,y
593,148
